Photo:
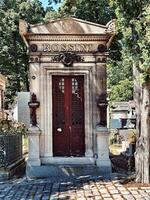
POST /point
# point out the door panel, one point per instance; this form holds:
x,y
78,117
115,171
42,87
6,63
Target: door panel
x,y
59,117
68,116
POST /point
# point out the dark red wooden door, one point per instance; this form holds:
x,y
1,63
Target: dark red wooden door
x,y
68,116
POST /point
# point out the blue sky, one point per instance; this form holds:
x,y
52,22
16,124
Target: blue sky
x,y
45,4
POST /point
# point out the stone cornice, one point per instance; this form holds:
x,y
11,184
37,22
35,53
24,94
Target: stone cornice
x,y
47,37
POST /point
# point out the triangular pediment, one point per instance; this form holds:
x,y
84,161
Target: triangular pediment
x,y
68,26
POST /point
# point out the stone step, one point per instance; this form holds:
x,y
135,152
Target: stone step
x,y
63,171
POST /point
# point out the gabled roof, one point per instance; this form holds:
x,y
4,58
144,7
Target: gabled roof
x,y
67,26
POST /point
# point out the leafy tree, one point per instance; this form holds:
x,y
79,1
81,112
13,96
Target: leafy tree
x,y
122,91
133,18
91,10
13,57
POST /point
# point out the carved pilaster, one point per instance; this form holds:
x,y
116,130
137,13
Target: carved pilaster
x,y
101,94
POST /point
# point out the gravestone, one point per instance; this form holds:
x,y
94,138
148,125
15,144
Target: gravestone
x,y
22,108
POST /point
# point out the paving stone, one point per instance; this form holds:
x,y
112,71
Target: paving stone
x,y
114,191
134,192
133,188
141,198
98,198
147,198
125,192
106,195
143,193
111,187
67,190
121,188
128,197
148,191
116,196
103,191
137,195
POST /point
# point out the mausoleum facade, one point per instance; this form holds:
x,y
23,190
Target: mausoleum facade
x,y
67,64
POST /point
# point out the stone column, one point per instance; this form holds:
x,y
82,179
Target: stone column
x,y
34,154
102,133
103,161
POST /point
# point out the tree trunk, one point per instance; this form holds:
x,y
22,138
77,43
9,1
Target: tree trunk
x,y
145,132
142,101
137,97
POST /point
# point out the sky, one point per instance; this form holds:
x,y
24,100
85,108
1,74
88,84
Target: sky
x,y
45,4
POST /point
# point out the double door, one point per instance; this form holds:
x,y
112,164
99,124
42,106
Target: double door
x,y
68,115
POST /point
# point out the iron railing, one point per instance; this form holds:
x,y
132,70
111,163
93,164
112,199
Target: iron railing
x,y
10,149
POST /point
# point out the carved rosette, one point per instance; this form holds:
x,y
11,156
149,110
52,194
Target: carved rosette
x,y
67,58
33,48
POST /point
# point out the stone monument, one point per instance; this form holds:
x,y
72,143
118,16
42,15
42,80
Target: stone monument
x,y
67,62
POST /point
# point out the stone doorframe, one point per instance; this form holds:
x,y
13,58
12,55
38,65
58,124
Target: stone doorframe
x,y
46,73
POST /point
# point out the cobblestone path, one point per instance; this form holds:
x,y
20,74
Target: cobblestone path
x,y
83,189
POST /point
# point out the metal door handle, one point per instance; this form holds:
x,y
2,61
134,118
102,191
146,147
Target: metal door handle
x,y
59,130
70,129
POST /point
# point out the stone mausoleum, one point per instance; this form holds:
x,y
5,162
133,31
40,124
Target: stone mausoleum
x,y
68,106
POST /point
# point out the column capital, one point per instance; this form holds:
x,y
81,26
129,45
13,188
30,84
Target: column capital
x,y
34,130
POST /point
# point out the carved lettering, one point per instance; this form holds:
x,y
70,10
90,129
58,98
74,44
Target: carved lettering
x,y
69,47
90,47
54,47
63,47
46,47
84,47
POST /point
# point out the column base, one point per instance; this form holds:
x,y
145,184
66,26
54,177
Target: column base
x,y
103,161
34,149
33,162
104,165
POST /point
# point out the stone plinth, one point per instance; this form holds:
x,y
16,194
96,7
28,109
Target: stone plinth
x,y
34,155
103,161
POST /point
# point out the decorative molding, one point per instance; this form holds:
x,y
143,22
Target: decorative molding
x,y
101,59
102,48
111,26
34,59
67,58
33,48
47,37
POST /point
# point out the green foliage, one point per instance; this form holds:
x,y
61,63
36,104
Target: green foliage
x,y
123,91
97,11
13,57
8,127
118,72
133,21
